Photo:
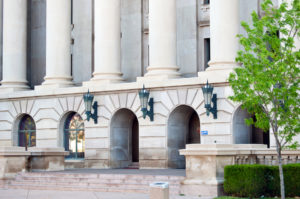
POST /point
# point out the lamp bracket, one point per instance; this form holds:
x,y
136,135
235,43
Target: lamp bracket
x,y
213,109
149,112
94,115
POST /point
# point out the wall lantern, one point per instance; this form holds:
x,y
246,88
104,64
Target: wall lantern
x,y
144,97
88,100
208,98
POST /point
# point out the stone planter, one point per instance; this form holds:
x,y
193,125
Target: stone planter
x,y
47,159
12,161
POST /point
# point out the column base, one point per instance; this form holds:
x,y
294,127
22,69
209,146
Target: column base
x,y
9,87
104,79
160,73
218,72
51,83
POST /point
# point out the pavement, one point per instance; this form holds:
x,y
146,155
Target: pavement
x,y
48,194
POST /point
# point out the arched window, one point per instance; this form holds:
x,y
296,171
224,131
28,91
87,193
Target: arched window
x,y
27,132
74,140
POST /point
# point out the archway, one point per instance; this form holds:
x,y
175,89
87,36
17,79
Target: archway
x,y
183,128
245,134
124,139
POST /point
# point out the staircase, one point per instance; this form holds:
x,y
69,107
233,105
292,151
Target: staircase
x,y
92,182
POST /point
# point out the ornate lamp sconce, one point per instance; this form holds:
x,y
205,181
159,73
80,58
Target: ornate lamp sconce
x,y
209,98
88,101
144,98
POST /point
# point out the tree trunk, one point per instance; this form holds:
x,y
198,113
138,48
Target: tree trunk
x,y
282,188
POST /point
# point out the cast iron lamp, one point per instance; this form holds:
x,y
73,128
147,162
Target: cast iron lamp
x,y
144,97
209,98
88,101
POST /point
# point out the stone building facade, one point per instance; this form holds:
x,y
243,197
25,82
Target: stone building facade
x,y
54,51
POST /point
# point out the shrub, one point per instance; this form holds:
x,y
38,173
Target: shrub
x,y
259,180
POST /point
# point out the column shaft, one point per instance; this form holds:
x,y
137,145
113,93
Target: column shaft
x,y
58,43
162,39
14,44
224,27
107,41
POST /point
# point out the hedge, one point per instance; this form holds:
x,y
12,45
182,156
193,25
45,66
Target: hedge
x,y
261,180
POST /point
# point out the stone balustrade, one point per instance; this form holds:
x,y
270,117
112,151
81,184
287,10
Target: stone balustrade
x,y
205,164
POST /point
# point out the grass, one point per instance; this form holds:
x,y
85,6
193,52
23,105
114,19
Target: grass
x,y
231,197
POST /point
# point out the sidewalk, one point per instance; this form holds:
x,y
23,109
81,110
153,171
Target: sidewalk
x,y
48,194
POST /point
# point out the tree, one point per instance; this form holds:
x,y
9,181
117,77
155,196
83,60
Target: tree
x,y
267,83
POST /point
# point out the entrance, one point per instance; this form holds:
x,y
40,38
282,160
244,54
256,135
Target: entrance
x,y
183,128
124,139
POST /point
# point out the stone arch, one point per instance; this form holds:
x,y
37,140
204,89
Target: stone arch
x,y
183,128
244,134
124,139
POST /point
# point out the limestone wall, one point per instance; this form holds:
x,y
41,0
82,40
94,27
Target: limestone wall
x,y
48,112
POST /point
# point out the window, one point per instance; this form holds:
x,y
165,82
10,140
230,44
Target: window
x,y
206,2
74,139
27,132
206,52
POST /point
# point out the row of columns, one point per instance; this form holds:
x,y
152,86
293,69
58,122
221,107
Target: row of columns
x,y
162,41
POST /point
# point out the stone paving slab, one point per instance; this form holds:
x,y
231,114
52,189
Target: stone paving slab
x,y
45,194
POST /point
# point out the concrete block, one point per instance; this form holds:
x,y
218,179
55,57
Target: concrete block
x,y
159,190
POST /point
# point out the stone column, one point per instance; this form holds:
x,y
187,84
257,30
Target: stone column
x,y
58,44
107,42
14,45
162,39
224,27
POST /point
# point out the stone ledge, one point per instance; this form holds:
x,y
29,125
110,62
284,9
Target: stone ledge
x,y
13,151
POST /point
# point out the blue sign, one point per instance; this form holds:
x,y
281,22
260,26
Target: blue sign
x,y
204,132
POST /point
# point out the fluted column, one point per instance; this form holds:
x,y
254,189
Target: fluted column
x,y
58,44
224,27
107,41
162,39
14,45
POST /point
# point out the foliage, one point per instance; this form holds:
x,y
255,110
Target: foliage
x,y
267,84
260,180
245,180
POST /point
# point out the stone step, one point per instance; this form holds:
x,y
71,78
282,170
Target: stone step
x,y
72,188
101,176
92,182
95,184
106,188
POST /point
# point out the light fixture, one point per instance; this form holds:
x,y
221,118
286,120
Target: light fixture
x,y
144,97
210,98
88,101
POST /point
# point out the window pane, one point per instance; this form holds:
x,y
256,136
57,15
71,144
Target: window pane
x,y
27,134
74,136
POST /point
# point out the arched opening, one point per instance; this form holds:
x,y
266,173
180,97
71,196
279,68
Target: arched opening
x,y
74,136
183,128
124,139
26,132
245,134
